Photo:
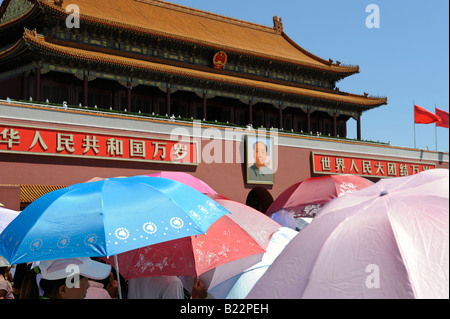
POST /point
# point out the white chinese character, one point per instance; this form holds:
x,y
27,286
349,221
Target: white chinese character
x,y
340,165
10,137
115,147
392,169
367,167
404,170
159,146
38,138
379,168
65,142
137,148
89,143
325,163
354,167
180,151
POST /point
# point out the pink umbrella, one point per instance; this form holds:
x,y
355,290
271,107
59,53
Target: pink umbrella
x,y
243,233
305,198
390,240
96,179
188,180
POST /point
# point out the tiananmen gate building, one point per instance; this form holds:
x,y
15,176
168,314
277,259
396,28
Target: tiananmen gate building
x,y
110,88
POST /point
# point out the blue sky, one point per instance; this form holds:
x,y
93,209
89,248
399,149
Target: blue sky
x,y
405,59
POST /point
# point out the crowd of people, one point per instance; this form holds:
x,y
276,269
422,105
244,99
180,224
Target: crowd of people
x,y
88,278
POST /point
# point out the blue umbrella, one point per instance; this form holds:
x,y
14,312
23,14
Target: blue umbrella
x,y
106,218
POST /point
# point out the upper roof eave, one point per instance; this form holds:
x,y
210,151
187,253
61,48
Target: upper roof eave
x,y
314,62
19,18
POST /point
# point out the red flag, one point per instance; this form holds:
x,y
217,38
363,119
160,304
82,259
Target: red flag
x,y
422,116
444,118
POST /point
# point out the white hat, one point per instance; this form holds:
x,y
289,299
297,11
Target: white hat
x,y
63,268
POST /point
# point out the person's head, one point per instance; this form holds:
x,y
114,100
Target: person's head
x,y
63,278
4,271
260,150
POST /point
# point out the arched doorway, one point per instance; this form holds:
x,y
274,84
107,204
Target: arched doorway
x,y
260,199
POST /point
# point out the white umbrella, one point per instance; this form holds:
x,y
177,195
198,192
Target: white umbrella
x,y
6,216
237,287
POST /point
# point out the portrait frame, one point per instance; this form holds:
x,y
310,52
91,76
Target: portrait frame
x,y
266,175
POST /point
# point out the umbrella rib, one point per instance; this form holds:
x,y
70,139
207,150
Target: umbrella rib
x,y
401,250
408,181
34,218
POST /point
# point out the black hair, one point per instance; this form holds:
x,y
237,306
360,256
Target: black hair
x,y
30,289
3,271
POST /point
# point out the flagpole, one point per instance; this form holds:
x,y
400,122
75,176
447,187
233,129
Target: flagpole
x,y
414,116
435,129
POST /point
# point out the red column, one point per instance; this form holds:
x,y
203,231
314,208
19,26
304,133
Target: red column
x,y
334,124
85,90
204,106
37,84
129,97
308,120
250,112
168,101
358,127
24,87
280,117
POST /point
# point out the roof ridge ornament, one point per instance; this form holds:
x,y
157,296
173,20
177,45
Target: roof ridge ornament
x,y
277,25
58,3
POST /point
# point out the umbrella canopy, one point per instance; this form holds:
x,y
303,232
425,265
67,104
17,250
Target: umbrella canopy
x,y
6,217
255,223
106,218
390,240
287,219
187,179
233,237
304,199
238,286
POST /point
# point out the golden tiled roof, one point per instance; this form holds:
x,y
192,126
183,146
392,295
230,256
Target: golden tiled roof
x,y
29,193
199,27
39,42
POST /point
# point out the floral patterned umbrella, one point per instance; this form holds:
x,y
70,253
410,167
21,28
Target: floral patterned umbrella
x,y
243,233
304,199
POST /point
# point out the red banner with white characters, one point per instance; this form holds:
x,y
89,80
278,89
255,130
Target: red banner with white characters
x,y
366,166
71,143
